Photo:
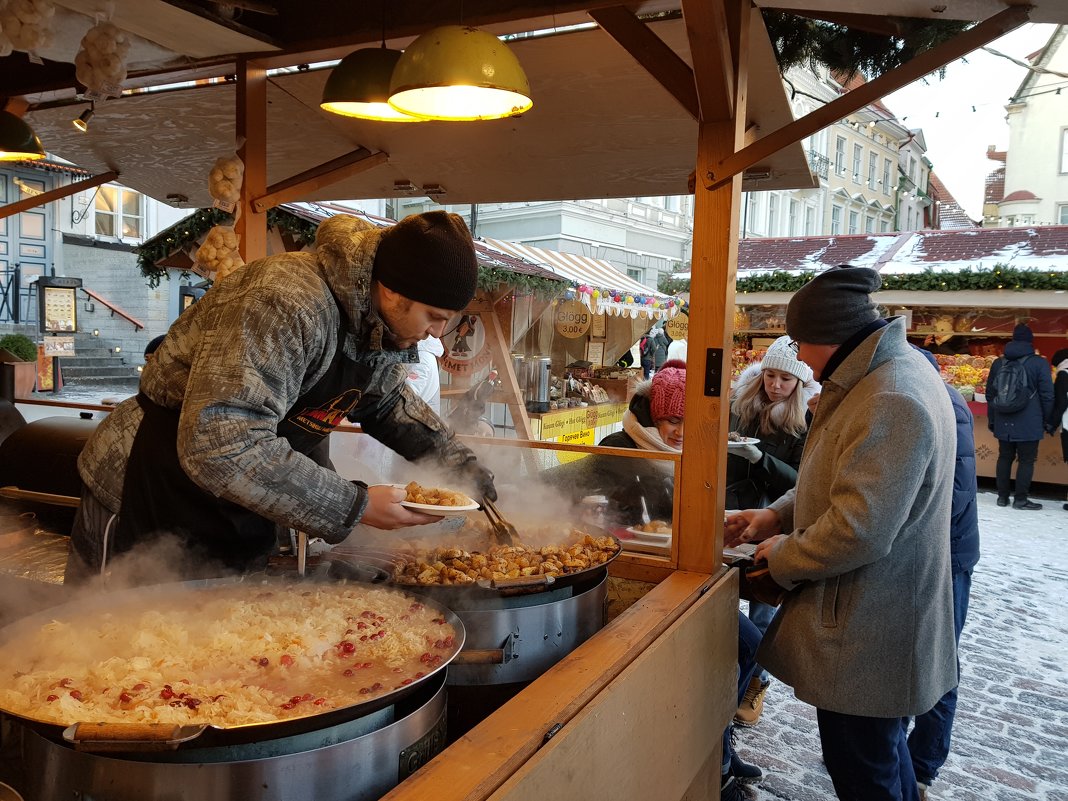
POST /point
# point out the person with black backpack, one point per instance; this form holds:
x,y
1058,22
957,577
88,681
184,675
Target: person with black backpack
x,y
1019,396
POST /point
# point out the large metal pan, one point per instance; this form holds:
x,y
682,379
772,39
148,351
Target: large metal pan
x,y
89,735
377,565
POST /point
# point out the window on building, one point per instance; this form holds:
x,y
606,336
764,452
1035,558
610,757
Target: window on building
x,y
858,154
908,221
869,224
636,274
810,221
773,215
1062,214
793,217
912,169
887,166
854,222
119,212
836,220
1064,149
839,155
884,226
873,161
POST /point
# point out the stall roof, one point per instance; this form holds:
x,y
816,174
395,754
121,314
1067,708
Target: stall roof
x,y
594,274
1032,248
601,126
317,212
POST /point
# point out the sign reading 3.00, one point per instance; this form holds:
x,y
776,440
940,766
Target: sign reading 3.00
x,y
572,319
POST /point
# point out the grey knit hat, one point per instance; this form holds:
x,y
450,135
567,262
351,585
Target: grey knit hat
x,y
429,258
781,356
833,306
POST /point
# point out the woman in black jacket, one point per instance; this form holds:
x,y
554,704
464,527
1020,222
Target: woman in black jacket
x,y
1059,416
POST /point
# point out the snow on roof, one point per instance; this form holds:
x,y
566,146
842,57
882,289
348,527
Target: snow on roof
x,y
1031,248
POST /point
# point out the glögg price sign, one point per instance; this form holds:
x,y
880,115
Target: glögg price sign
x,y
572,319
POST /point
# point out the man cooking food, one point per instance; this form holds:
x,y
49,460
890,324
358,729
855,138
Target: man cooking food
x,y
214,449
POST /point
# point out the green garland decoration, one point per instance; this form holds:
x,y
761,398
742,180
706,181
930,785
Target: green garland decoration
x,y
185,233
1001,276
803,42
490,278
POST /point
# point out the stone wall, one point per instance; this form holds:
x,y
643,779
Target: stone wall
x,y
110,270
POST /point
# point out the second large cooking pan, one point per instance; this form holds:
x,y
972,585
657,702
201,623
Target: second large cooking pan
x,y
377,564
157,737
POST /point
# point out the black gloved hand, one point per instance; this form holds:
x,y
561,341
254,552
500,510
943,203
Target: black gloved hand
x,y
475,474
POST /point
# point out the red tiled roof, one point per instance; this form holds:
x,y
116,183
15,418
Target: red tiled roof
x,y
1044,247
949,215
1019,194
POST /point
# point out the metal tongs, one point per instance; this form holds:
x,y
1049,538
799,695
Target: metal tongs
x,y
504,531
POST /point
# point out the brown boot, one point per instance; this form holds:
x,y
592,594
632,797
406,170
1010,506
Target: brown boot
x,y
752,705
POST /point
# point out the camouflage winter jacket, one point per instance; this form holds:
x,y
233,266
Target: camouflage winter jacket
x,y
236,361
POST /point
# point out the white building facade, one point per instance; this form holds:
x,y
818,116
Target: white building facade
x,y
1036,166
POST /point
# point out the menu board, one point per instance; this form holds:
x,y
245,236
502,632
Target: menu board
x,y
60,309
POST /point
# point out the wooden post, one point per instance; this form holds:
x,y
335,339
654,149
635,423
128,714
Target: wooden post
x,y
251,225
714,266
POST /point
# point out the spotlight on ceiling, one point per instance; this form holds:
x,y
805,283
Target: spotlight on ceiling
x,y
82,123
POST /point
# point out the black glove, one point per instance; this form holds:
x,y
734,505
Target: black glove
x,y
473,473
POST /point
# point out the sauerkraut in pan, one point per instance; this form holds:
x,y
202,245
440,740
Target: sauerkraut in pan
x,y
225,656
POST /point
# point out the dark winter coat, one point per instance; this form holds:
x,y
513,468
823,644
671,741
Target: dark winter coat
x,y
964,511
625,482
752,486
1028,424
1059,415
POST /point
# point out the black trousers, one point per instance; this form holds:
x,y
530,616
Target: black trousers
x,y
1026,453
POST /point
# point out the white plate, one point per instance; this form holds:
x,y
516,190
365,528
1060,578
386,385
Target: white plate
x,y
742,442
440,511
649,536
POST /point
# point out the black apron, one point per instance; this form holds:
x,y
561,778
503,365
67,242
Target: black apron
x,y
159,499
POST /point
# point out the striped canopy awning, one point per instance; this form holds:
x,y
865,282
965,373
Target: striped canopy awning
x,y
606,288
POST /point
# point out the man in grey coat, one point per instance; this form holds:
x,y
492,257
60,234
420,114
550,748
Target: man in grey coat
x,y
866,633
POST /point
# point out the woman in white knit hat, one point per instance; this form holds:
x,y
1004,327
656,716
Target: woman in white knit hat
x,y
769,403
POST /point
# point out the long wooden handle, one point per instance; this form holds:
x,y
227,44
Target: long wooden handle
x,y
479,656
16,494
130,736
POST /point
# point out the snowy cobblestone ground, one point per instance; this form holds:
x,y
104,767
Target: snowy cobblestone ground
x,y
1010,740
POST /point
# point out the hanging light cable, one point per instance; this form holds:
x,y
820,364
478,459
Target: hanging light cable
x,y
456,72
18,142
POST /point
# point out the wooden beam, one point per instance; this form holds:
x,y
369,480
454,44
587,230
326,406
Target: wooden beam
x,y
652,53
699,511
251,224
713,60
866,94
56,194
325,174
871,23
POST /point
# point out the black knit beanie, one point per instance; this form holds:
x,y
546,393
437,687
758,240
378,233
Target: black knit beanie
x,y
429,258
1022,333
833,306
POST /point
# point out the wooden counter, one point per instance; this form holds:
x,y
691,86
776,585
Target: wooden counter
x,y
635,713
1049,469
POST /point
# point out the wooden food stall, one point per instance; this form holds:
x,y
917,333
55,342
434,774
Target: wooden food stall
x,y
619,110
959,291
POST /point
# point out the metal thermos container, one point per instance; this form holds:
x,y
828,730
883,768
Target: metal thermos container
x,y
543,380
530,381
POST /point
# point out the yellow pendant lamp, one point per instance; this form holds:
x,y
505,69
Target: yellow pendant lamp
x,y
359,86
18,142
459,73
